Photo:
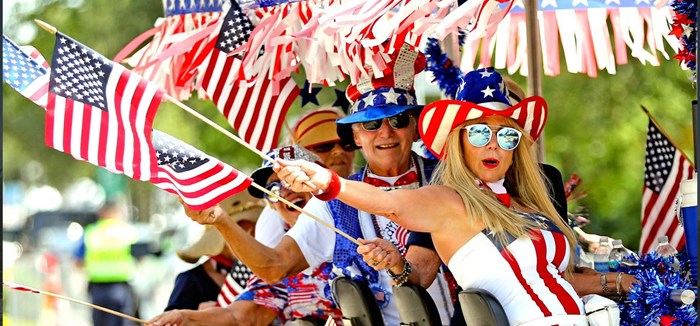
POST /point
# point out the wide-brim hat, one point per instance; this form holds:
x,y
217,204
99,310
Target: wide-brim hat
x,y
482,93
290,153
383,94
240,207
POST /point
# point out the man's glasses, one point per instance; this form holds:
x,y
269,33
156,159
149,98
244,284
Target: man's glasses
x,y
327,147
398,121
480,134
274,187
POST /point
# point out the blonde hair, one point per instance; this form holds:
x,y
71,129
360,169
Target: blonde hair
x,y
524,179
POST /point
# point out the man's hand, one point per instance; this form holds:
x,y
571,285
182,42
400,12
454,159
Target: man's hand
x,y
214,215
381,254
169,318
297,175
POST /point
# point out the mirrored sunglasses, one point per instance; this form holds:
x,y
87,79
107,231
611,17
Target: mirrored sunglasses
x,y
274,187
398,121
480,134
327,147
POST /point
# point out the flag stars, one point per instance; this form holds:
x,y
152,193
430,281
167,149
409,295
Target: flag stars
x,y
486,74
488,91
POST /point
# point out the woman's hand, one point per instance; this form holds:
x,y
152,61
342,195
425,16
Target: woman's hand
x,y
381,254
169,318
212,215
297,175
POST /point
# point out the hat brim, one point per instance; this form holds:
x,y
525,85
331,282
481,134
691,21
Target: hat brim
x,y
210,244
344,125
260,177
439,118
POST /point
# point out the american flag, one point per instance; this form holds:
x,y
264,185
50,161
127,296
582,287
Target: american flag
x,y
234,284
666,166
201,180
25,69
99,111
251,108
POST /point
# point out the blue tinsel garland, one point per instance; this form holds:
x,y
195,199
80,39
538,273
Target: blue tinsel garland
x,y
649,300
447,75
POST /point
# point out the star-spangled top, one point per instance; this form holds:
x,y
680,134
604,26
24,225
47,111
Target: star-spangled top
x,y
18,69
181,7
172,152
659,159
235,29
79,73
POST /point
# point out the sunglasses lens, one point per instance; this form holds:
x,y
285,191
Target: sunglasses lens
x,y
347,147
399,121
274,187
508,138
323,148
372,125
479,135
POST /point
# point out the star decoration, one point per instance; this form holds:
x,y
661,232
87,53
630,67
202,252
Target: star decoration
x,y
341,100
308,94
486,74
369,100
392,96
488,91
574,3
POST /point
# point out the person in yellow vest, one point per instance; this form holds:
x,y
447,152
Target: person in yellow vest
x,y
105,254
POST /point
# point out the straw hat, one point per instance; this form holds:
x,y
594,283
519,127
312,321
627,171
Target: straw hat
x,y
240,207
317,128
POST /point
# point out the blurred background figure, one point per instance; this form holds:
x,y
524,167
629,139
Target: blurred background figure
x,y
199,287
105,254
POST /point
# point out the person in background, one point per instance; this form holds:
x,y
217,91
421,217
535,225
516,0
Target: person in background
x,y
105,254
199,287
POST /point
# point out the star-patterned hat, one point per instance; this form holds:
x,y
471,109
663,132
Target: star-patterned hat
x,y
290,153
481,93
377,97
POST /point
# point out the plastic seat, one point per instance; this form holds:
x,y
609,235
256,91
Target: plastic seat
x,y
357,302
480,308
416,306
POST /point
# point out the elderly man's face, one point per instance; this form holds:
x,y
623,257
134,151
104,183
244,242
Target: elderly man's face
x,y
387,149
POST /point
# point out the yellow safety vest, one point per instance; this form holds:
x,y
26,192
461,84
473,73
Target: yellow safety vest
x,y
108,251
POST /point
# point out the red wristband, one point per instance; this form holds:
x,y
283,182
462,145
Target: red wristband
x,y
333,188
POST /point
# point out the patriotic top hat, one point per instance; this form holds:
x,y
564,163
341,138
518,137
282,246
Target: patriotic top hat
x,y
290,153
481,93
379,97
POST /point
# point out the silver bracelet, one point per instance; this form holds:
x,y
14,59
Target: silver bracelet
x,y
618,283
604,283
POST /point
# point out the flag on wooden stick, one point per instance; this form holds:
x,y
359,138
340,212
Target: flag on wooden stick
x,y
25,69
99,111
664,169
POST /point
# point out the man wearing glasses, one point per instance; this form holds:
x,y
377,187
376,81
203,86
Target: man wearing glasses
x,y
383,125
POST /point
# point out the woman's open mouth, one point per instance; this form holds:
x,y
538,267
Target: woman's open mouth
x,y
490,163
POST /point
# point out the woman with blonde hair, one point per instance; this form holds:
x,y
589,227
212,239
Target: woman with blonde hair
x,y
487,208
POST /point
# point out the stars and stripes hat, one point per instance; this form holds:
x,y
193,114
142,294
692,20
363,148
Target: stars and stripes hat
x,y
482,92
290,153
385,94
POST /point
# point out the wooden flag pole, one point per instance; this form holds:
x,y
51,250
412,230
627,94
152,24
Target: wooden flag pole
x,y
23,288
198,115
326,224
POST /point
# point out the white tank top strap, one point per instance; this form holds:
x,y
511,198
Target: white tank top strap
x,y
561,320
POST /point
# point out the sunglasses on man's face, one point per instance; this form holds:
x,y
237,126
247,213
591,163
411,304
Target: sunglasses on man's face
x,y
274,187
401,120
480,134
327,147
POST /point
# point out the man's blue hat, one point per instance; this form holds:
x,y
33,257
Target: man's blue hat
x,y
384,94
